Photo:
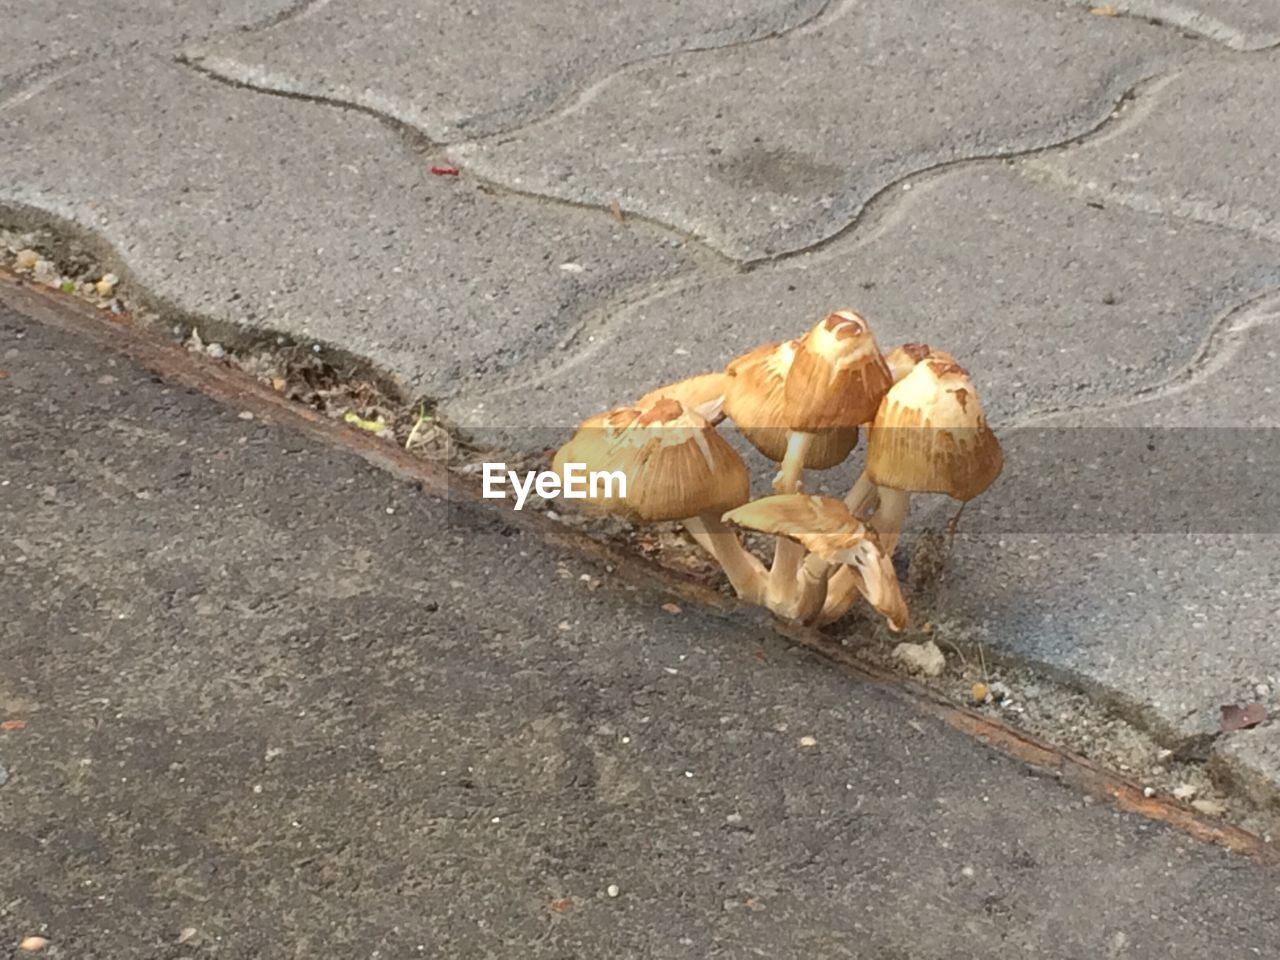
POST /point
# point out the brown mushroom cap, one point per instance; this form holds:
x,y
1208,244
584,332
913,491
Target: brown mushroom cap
x,y
838,376
823,525
703,394
902,360
754,401
675,463
931,436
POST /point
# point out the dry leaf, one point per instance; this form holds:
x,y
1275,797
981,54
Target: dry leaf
x,y
616,209
671,608
13,725
1241,718
562,905
1105,11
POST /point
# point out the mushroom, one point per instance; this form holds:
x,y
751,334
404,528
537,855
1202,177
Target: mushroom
x,y
703,394
677,467
815,391
901,361
835,538
753,400
929,436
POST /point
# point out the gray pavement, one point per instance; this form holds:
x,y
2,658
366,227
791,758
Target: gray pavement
x,y
1078,202
266,717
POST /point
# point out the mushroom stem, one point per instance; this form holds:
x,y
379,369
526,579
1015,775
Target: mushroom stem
x,y
746,573
842,594
861,496
890,516
792,467
784,585
813,588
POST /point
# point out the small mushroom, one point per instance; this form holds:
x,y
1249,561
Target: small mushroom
x,y
836,540
677,467
929,436
703,394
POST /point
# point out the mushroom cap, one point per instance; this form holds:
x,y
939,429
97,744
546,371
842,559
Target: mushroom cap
x,y
676,465
931,436
838,377
703,394
754,400
902,360
825,527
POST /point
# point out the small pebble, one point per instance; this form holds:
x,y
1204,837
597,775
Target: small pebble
x,y
215,350
33,944
1185,792
671,607
1148,792
924,658
186,934
27,259
106,287
968,871
612,890
808,741
245,415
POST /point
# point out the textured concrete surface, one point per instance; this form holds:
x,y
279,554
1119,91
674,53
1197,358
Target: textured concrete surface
x,y
265,717
769,148
262,213
1175,624
1119,271
37,37
467,69
1193,148
1053,303
1240,24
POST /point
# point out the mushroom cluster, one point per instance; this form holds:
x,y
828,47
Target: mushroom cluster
x,y
801,403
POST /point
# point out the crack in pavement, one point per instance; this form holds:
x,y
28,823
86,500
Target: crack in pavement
x,y
1226,336
1184,20
876,211
548,99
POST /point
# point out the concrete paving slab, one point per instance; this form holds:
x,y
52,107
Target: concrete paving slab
x,y
34,38
258,213
1173,624
1241,24
268,715
1195,147
769,148
457,70
1053,303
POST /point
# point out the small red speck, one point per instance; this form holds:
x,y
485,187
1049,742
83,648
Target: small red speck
x,y
445,171
13,725
761,657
